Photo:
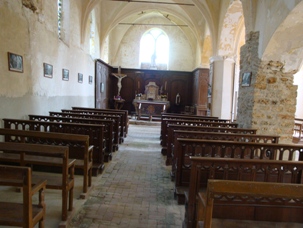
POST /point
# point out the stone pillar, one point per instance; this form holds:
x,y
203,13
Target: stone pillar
x,y
222,87
269,103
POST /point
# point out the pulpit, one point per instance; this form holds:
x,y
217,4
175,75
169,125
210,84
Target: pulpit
x,y
150,104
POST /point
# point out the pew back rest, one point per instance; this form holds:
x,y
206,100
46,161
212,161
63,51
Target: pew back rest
x,y
45,155
95,132
10,211
252,191
79,147
229,149
108,125
256,170
124,114
172,150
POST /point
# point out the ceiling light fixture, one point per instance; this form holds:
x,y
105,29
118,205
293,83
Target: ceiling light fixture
x,y
152,2
153,24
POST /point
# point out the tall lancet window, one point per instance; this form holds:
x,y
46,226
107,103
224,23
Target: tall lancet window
x,y
154,50
92,34
59,17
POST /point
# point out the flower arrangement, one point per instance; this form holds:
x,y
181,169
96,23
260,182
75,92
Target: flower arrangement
x,y
163,96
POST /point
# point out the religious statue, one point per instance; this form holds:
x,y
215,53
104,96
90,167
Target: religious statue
x,y
119,76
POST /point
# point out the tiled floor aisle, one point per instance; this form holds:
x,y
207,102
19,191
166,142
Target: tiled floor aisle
x,y
135,189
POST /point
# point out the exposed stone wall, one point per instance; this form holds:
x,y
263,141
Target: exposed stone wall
x,y
275,101
269,104
249,62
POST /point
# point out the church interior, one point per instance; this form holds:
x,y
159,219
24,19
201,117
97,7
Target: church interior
x,y
161,63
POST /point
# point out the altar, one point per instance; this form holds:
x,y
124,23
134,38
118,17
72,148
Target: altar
x,y
150,104
150,108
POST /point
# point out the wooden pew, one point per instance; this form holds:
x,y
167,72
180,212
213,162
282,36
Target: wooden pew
x,y
115,119
226,149
201,123
79,148
243,208
95,133
124,114
24,154
108,125
118,118
166,150
174,116
26,213
181,165
240,189
174,147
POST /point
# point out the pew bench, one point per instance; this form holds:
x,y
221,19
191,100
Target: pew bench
x,y
174,147
118,124
108,125
123,113
167,150
95,133
174,116
198,123
273,209
23,213
24,154
79,148
226,149
280,192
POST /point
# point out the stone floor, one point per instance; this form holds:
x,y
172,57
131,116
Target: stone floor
x,y
134,191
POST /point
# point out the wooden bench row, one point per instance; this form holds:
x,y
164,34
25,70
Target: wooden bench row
x,y
97,111
79,148
199,123
173,127
45,155
280,192
81,134
23,213
245,202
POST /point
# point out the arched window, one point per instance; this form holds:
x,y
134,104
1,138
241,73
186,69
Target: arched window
x,y
63,20
154,49
92,34
59,17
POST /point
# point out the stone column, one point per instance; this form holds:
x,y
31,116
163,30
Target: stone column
x,y
269,104
222,87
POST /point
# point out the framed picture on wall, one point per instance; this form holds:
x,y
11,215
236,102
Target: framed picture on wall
x,y
15,62
48,70
246,79
65,74
80,77
90,79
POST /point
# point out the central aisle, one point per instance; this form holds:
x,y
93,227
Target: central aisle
x,y
135,189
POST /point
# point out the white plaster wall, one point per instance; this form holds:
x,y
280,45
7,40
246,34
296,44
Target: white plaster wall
x,y
222,91
34,36
298,80
182,55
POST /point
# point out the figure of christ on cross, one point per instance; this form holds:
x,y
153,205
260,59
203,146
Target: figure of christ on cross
x,y
119,76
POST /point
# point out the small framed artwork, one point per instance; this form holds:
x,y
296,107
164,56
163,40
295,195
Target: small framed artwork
x,y
90,79
48,70
65,74
246,79
80,77
15,62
